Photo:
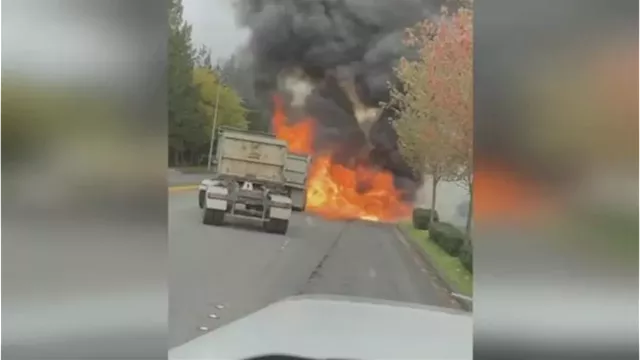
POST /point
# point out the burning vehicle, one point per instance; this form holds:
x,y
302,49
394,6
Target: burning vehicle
x,y
325,69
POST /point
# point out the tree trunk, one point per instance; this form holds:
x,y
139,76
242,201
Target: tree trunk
x,y
434,185
470,212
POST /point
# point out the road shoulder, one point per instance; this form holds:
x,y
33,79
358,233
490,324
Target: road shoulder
x,y
462,296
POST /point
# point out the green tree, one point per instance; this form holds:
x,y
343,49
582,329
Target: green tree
x,y
435,105
231,111
182,94
238,73
203,58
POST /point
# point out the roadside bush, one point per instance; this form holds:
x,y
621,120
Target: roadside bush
x,y
447,236
421,218
466,256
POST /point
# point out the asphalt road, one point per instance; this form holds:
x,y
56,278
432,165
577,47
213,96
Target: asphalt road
x,y
177,178
218,274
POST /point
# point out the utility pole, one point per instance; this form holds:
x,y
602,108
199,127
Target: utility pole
x,y
213,128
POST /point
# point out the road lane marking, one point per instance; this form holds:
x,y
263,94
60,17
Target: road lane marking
x,y
401,237
182,188
417,261
463,297
451,295
309,221
412,253
285,244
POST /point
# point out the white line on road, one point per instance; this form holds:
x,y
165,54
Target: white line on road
x,y
417,261
415,257
401,237
285,244
309,220
463,297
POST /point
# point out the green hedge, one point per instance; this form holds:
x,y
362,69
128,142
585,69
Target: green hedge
x,y
421,218
466,256
448,237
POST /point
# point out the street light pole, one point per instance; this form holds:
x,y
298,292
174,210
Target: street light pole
x,y
213,128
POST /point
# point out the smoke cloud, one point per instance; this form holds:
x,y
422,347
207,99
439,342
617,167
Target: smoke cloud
x,y
344,52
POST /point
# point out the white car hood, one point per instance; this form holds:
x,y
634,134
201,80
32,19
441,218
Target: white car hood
x,y
322,327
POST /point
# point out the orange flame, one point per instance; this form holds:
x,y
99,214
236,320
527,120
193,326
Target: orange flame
x,y
299,136
334,190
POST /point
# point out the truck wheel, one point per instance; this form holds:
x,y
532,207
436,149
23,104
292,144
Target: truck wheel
x,y
207,217
213,217
201,196
277,226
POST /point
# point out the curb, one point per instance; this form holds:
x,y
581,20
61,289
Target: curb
x,y
464,301
182,188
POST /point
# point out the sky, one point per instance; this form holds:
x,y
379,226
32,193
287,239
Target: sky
x,y
214,26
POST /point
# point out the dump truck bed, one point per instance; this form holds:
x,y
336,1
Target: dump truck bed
x,y
296,170
251,156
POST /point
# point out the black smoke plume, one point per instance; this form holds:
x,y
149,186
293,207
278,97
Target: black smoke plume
x,y
330,41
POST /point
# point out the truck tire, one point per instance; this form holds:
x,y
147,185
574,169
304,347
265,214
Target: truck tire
x,y
277,226
213,217
201,195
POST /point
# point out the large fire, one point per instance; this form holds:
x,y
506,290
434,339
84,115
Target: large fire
x,y
336,191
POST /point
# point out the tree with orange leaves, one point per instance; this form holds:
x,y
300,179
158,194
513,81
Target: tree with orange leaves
x,y
435,104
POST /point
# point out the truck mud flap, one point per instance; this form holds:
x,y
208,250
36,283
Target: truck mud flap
x,y
217,198
279,207
202,198
279,213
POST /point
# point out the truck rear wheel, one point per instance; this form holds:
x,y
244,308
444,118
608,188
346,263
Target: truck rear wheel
x,y
201,196
277,226
213,217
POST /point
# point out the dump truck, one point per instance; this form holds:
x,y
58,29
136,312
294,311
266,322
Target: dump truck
x,y
249,182
296,173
